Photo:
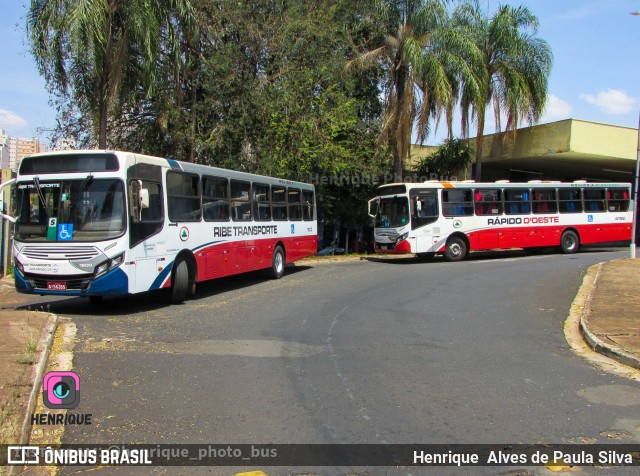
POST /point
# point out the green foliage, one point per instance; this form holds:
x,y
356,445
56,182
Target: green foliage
x,y
94,53
513,73
423,56
453,157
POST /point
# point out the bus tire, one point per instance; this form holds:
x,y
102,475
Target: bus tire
x,y
179,283
456,249
569,242
277,263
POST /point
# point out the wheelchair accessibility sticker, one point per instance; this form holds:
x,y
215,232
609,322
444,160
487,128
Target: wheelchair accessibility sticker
x,y
590,218
65,232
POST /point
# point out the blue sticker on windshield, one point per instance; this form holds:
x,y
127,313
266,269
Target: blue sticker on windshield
x,y
65,232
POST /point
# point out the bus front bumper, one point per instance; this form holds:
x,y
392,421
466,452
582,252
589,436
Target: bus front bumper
x,y
393,248
115,282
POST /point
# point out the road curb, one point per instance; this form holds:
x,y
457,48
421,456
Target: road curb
x,y
48,334
594,342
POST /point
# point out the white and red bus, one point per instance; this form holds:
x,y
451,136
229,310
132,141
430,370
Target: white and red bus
x,y
98,223
455,218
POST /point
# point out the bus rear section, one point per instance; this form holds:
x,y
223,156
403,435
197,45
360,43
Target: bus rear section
x,y
454,218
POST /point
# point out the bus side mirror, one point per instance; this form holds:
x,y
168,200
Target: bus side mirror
x,y
144,198
137,200
373,207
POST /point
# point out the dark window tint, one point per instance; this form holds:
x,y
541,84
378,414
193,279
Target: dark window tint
x,y
183,197
215,198
488,202
279,203
69,163
516,201
569,200
594,200
240,202
544,201
457,203
295,209
262,201
308,205
618,199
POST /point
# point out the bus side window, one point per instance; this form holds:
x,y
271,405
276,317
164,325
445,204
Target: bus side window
x,y
544,201
240,201
618,199
569,200
594,200
308,205
261,201
457,203
279,202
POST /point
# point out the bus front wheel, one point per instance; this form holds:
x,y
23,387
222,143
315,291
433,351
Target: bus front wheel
x,y
569,242
456,249
277,263
179,283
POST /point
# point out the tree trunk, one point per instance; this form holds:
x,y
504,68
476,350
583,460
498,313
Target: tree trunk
x,y
479,142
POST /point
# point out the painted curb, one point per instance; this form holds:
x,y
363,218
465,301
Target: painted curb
x,y
49,333
595,343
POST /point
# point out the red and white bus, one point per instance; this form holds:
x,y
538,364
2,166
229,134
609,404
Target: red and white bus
x,y
98,223
455,218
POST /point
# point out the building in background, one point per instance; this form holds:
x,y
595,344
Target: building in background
x,y
27,147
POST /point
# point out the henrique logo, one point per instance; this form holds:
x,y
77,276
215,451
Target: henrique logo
x,y
61,390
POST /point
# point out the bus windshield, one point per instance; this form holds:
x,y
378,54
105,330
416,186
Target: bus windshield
x,y
85,209
393,212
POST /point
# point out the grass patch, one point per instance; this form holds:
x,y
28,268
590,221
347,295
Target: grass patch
x,y
28,356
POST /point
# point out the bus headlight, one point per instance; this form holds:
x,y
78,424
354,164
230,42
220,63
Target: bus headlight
x,y
402,237
109,265
18,265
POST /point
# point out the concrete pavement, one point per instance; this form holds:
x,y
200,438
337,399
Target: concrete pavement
x,y
610,323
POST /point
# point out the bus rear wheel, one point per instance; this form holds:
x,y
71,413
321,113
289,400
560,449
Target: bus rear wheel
x,y
456,249
569,242
277,263
179,283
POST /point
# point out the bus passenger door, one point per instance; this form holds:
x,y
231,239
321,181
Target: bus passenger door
x,y
424,215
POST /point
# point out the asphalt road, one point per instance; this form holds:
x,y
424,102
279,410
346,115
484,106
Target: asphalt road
x,y
397,351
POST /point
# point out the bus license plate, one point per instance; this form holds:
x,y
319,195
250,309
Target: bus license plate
x,y
57,286
383,247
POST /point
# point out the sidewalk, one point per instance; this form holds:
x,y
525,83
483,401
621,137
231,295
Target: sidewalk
x,y
23,350
611,319
610,324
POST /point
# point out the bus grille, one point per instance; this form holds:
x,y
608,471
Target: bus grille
x,y
60,253
74,282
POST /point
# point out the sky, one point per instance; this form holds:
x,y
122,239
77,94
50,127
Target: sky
x,y
595,75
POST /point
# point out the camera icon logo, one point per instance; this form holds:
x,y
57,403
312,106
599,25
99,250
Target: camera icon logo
x,y
61,390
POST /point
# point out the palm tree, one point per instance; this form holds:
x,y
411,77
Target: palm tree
x,y
99,48
422,57
514,69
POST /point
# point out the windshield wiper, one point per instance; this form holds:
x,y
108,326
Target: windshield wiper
x,y
83,186
36,182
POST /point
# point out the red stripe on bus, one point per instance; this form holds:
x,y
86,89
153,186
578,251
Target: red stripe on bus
x,y
227,259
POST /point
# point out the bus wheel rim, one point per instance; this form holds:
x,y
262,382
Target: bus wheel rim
x,y
278,262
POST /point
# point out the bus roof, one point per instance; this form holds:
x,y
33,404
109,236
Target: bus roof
x,y
396,188
177,165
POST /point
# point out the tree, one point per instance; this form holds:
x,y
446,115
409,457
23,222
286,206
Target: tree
x,y
513,73
423,56
102,49
453,156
